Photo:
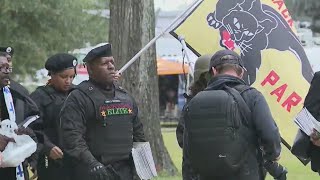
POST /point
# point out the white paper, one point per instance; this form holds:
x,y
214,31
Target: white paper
x,y
143,160
307,122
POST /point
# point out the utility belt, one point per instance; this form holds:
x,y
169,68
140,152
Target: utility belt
x,y
118,164
113,168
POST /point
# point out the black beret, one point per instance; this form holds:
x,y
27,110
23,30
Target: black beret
x,y
9,50
60,62
101,51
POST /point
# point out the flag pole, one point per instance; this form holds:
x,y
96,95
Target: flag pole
x,y
134,58
303,161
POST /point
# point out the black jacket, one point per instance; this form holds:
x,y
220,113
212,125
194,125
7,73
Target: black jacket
x,y
187,171
264,126
99,128
50,103
24,108
19,87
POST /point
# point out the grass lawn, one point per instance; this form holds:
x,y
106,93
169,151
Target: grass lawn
x,y
297,171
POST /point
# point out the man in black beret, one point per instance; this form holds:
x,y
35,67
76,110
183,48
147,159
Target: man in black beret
x,y
8,51
101,51
100,122
24,108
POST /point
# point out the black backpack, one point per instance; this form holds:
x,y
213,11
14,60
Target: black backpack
x,y
218,136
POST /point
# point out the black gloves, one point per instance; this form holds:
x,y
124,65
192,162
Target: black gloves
x,y
276,170
98,171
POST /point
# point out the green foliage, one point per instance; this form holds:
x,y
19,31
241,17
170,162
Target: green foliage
x,y
103,3
309,8
40,28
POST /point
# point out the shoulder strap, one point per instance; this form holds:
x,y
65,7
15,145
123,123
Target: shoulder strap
x,y
243,106
246,113
92,93
241,88
120,88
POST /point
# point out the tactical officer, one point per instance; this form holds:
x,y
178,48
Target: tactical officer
x,y
100,122
201,75
50,98
24,108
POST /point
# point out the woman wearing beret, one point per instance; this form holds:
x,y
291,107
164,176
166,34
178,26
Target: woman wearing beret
x,y
50,98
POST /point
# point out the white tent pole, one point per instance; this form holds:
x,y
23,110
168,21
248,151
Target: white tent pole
x,y
186,54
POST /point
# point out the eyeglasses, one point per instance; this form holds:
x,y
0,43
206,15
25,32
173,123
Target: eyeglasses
x,y
5,69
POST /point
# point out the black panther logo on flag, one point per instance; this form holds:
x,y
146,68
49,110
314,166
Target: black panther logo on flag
x,y
262,32
253,27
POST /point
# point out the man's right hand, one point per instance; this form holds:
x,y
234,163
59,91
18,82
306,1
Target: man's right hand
x,y
315,138
56,153
98,171
117,76
4,140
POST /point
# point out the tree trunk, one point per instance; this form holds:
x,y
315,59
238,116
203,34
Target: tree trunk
x,y
132,26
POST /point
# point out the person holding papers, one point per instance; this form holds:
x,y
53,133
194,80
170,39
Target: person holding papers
x,y
312,103
23,107
100,122
315,138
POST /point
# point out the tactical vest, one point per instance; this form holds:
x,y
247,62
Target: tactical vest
x,y
52,104
109,133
